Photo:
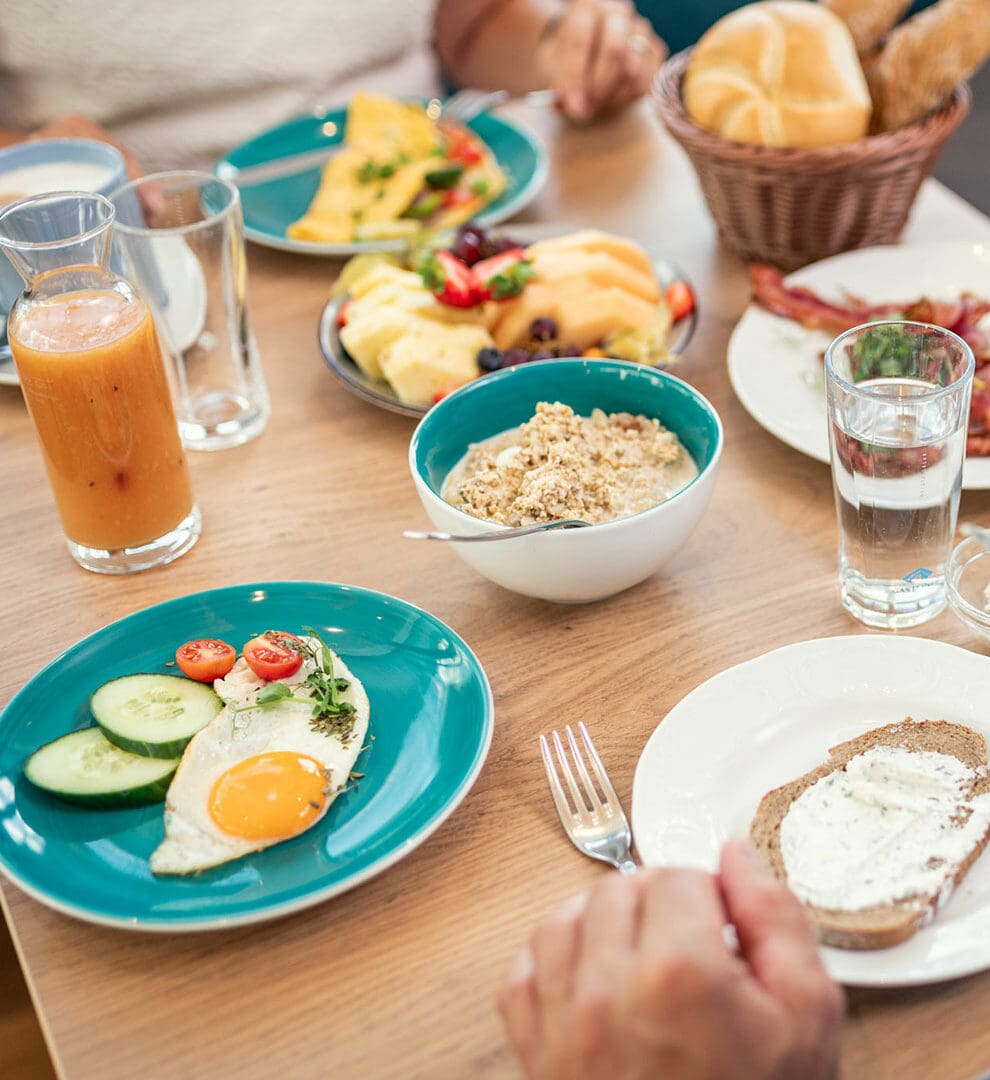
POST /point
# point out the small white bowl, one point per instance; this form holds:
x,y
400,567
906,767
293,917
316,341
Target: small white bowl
x,y
568,565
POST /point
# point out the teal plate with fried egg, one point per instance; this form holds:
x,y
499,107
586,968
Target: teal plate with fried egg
x,y
430,726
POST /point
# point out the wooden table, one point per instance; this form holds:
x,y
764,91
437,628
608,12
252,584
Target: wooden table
x,y
398,977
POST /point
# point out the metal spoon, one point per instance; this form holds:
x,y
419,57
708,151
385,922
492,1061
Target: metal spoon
x,y
503,534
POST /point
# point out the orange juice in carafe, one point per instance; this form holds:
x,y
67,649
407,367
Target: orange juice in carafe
x,y
95,384
94,380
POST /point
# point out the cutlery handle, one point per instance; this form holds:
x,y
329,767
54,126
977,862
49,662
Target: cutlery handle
x,y
277,169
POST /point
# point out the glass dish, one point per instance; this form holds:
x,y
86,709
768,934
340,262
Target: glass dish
x,y
967,582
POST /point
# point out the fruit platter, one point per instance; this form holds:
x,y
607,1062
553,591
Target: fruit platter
x,y
402,332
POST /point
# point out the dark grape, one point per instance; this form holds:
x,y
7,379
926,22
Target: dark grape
x,y
570,349
544,354
511,357
543,328
489,359
470,244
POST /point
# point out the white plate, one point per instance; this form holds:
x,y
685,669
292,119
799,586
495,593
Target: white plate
x,y
760,724
775,364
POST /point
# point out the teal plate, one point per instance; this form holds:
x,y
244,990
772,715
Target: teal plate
x,y
270,208
431,722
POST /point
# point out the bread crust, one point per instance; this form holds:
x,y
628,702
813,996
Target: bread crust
x,y
925,59
881,926
868,22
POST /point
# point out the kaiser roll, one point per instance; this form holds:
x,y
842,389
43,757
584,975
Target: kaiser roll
x,y
779,73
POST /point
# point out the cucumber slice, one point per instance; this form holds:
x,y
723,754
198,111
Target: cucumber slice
x,y
153,715
82,767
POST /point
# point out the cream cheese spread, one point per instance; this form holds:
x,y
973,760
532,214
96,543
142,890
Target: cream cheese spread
x,y
893,824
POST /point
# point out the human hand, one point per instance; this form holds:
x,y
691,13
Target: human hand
x,y
598,56
635,980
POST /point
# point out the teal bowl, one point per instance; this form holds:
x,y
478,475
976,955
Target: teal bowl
x,y
574,565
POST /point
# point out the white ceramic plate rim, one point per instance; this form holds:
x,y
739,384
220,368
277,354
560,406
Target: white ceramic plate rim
x,y
523,197
774,365
764,722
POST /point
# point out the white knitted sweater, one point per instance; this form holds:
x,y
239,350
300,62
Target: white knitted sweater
x,y
182,81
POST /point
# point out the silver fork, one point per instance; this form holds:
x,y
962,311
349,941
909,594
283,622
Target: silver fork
x,y
593,818
465,105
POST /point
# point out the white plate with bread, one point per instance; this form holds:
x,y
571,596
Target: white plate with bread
x,y
775,365
714,765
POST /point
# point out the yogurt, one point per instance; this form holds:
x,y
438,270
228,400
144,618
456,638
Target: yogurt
x,y
892,825
53,176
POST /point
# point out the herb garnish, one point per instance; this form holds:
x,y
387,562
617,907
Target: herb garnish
x,y
331,715
371,170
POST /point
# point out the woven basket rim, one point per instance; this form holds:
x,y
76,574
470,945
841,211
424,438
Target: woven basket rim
x,y
871,149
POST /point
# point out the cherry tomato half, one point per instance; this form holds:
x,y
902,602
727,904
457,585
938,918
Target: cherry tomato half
x,y
205,659
680,299
271,656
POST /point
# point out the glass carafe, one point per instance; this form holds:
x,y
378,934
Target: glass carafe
x,y
95,384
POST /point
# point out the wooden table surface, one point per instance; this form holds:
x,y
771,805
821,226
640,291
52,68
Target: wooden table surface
x,y
398,977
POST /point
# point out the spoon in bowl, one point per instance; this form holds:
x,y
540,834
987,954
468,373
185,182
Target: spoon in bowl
x,y
503,534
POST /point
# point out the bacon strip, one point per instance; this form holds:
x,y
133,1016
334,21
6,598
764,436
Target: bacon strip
x,y
795,302
961,316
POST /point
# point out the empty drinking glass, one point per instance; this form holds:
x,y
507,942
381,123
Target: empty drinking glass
x,y
180,237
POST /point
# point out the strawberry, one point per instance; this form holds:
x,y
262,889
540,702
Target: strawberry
x,y
503,275
451,281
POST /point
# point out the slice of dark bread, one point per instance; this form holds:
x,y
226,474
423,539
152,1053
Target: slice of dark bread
x,y
889,924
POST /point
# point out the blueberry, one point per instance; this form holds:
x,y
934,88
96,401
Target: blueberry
x,y
511,357
490,359
543,329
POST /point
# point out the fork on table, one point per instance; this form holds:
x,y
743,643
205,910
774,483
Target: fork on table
x,y
592,817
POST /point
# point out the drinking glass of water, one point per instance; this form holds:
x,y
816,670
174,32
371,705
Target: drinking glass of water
x,y
898,405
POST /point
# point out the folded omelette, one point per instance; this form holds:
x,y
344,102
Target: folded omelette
x,y
398,170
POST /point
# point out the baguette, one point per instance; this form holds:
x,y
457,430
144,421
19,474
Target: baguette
x,y
883,925
925,59
867,22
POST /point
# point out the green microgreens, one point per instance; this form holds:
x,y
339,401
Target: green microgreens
x,y
331,715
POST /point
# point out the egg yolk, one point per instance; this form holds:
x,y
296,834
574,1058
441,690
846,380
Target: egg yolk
x,y
270,796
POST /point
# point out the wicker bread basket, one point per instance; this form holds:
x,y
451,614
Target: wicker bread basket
x,y
790,207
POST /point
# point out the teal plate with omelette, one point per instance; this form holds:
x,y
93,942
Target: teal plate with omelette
x,y
431,726
271,207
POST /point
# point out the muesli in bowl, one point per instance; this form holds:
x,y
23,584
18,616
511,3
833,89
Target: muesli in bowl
x,y
583,409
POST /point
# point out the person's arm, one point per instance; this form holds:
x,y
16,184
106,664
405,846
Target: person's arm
x,y
638,981
598,55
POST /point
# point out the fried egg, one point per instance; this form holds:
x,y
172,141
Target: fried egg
x,y
254,776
